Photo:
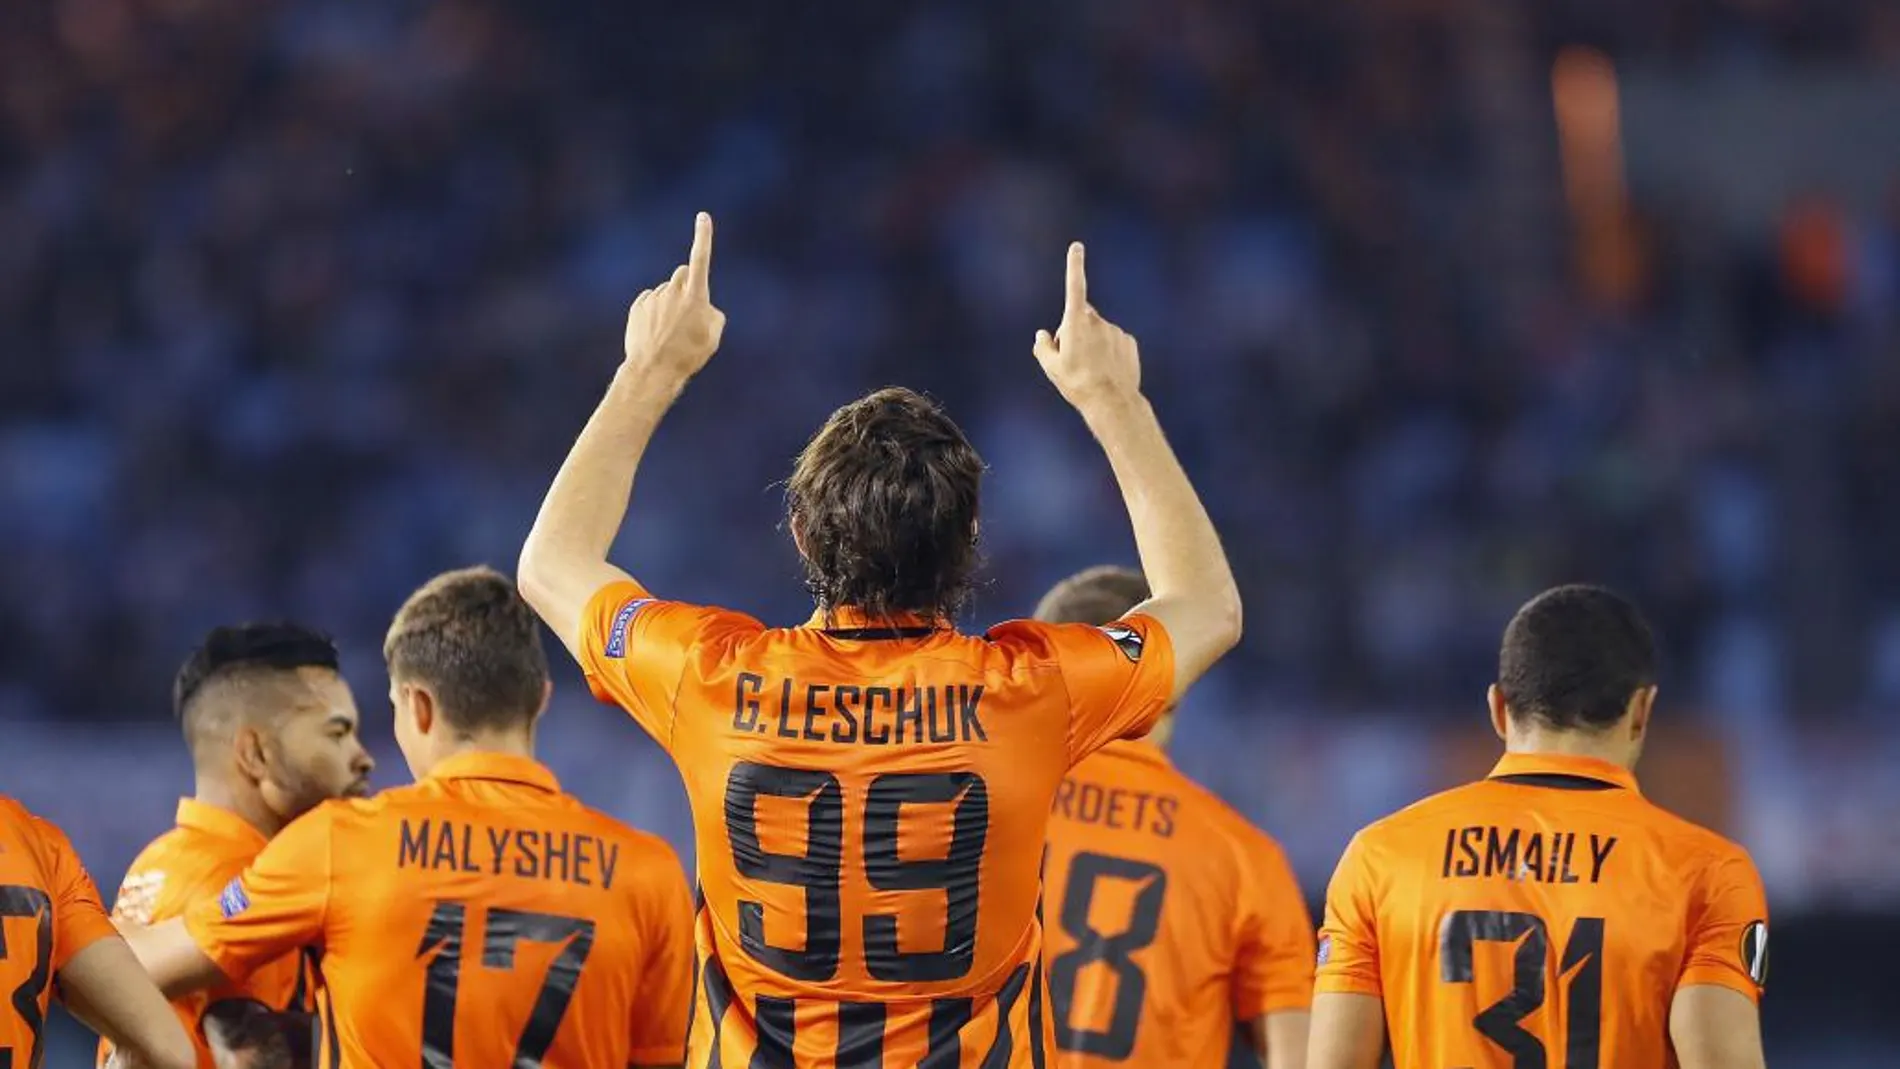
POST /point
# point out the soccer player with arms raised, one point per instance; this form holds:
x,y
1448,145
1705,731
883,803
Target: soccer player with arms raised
x,y
871,790
1177,934
480,917
272,729
1547,917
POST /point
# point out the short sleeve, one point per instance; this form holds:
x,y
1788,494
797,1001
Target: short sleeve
x,y
1274,967
277,906
1348,952
1728,928
1119,677
635,650
79,917
660,1014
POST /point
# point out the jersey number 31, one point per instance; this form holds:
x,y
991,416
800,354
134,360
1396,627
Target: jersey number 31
x,y
1500,1022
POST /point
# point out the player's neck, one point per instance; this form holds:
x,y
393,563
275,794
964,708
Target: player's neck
x,y
510,744
248,804
1607,746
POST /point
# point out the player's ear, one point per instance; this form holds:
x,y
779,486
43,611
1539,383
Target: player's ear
x,y
1500,713
422,708
1641,704
247,745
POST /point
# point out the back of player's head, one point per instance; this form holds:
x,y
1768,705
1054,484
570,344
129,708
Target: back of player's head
x,y
217,683
1096,596
883,503
470,639
1574,656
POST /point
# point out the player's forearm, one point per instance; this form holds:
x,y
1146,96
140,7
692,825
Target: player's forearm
x,y
587,503
1181,554
104,987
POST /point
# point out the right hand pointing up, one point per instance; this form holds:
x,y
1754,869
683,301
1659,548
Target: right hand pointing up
x,y
1088,358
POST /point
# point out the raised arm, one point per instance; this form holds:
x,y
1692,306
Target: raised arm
x,y
1097,368
672,331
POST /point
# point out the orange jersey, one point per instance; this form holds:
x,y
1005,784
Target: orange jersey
x,y
479,917
1172,921
1544,916
207,849
49,911
870,802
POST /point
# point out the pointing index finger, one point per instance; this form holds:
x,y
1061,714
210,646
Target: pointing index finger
x,y
1077,291
699,262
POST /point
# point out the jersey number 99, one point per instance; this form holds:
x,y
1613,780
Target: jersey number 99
x,y
819,871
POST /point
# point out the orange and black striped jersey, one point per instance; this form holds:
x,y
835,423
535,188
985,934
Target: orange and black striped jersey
x,y
870,801
479,917
1171,920
206,850
49,911
1543,916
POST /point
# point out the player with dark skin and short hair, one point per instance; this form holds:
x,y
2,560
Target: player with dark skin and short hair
x,y
870,791
1177,934
479,917
1601,930
272,729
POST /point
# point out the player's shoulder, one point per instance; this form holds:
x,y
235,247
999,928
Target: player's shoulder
x,y
1688,843
619,605
612,828
1398,829
1038,641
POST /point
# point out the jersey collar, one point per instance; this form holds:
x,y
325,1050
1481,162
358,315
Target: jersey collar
x,y
848,621
1140,750
219,821
509,768
1550,764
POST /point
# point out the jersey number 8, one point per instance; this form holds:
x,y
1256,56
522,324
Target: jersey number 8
x,y
819,871
28,902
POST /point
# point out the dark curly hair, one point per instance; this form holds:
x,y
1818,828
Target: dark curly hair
x,y
883,504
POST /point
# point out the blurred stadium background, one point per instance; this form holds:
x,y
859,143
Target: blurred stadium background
x,y
1442,301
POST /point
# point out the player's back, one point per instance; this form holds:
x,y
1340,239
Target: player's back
x,y
1171,921
1543,916
479,917
49,911
870,803
195,859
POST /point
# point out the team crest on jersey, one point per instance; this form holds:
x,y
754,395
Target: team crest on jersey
x,y
617,634
1126,639
1755,952
234,900
138,897
1325,949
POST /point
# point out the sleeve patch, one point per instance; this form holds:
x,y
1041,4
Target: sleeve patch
x,y
1126,639
1755,952
234,900
1325,949
617,634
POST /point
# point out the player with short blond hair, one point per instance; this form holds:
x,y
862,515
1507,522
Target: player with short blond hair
x,y
479,917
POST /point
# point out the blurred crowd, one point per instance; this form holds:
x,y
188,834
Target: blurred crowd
x,y
302,301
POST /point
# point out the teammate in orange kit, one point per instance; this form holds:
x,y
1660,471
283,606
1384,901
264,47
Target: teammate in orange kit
x,y
1547,915
55,937
479,917
871,790
273,731
1176,928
